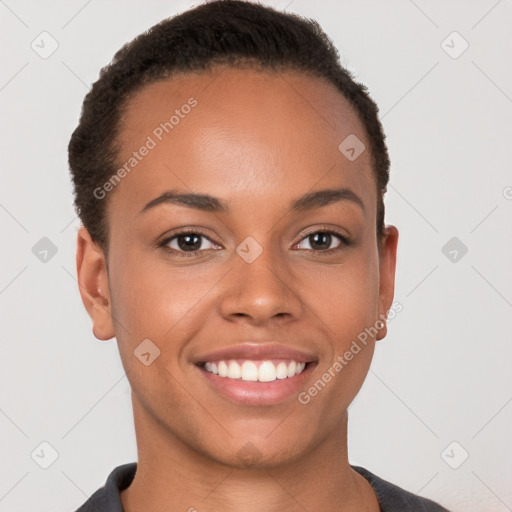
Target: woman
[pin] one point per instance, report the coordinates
(229, 175)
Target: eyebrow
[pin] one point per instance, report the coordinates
(207, 203)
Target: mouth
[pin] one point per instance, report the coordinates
(256, 374)
(260, 383)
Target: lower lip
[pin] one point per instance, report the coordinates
(258, 393)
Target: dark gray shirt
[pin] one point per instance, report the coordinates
(391, 497)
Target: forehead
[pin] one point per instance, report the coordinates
(237, 134)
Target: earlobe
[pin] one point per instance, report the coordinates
(387, 266)
(93, 284)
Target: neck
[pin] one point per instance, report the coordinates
(173, 476)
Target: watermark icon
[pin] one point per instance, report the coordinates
(44, 45)
(146, 352)
(304, 397)
(352, 147)
(454, 45)
(249, 453)
(454, 455)
(249, 249)
(507, 193)
(157, 135)
(44, 250)
(44, 455)
(454, 249)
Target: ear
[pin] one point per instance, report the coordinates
(93, 284)
(387, 265)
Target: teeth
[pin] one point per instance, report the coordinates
(249, 371)
(267, 371)
(234, 370)
(223, 369)
(282, 370)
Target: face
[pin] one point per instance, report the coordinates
(241, 228)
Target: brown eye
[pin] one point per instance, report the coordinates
(188, 244)
(323, 241)
(320, 240)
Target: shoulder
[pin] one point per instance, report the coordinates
(393, 498)
(107, 498)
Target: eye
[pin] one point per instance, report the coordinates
(323, 240)
(191, 243)
(188, 243)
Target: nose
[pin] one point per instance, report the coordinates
(261, 291)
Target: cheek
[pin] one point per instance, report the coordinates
(347, 299)
(152, 300)
(346, 296)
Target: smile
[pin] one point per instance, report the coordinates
(255, 371)
(256, 374)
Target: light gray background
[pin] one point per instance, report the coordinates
(442, 374)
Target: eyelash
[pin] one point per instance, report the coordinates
(345, 242)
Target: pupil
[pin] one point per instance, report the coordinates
(189, 242)
(320, 240)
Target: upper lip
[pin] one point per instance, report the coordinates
(256, 351)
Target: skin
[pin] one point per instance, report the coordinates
(258, 141)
